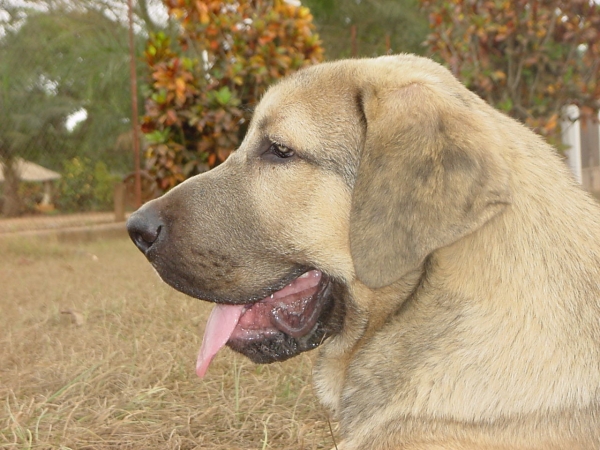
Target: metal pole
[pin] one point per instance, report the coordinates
(388, 44)
(134, 111)
(354, 46)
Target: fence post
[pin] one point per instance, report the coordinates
(571, 136)
(134, 109)
(119, 200)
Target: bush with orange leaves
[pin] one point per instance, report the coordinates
(226, 55)
(529, 58)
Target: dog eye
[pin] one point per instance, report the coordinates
(280, 151)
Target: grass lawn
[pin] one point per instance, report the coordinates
(97, 353)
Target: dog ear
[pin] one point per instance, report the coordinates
(426, 178)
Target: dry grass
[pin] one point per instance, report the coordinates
(97, 353)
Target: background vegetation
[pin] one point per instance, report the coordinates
(527, 58)
(225, 56)
(59, 58)
(204, 64)
(380, 27)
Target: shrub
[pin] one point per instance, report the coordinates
(85, 186)
(528, 58)
(225, 56)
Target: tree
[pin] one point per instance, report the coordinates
(528, 58)
(53, 64)
(224, 58)
(147, 14)
(30, 111)
(378, 23)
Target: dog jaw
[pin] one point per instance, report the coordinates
(287, 324)
(272, 329)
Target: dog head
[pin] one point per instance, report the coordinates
(351, 173)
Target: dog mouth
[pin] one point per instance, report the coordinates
(293, 311)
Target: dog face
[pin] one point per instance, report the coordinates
(268, 229)
(350, 172)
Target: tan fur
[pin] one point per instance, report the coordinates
(470, 257)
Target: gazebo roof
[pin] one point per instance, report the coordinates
(29, 171)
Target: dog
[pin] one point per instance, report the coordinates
(436, 251)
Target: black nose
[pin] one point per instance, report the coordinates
(144, 227)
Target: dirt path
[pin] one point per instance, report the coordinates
(29, 224)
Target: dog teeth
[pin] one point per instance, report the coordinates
(304, 275)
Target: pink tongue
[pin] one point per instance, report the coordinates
(220, 325)
(224, 318)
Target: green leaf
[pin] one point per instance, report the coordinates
(158, 136)
(223, 96)
(505, 105)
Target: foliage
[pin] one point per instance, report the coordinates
(225, 57)
(379, 23)
(59, 62)
(86, 186)
(31, 112)
(147, 14)
(528, 58)
(53, 64)
(32, 195)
